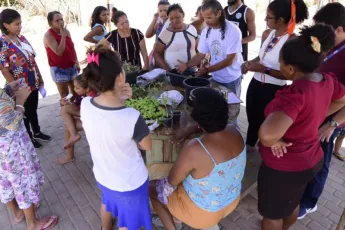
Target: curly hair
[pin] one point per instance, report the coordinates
(210, 110)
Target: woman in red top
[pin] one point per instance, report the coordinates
(290, 145)
(61, 54)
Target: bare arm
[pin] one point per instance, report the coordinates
(58, 49)
(150, 32)
(145, 144)
(223, 64)
(182, 167)
(143, 51)
(263, 38)
(95, 32)
(250, 16)
(158, 54)
(7, 74)
(196, 60)
(274, 128)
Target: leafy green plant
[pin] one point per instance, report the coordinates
(149, 108)
(138, 92)
(129, 68)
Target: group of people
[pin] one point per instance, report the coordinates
(296, 124)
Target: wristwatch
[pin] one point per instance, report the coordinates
(334, 123)
(267, 71)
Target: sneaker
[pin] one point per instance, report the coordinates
(42, 137)
(36, 144)
(305, 211)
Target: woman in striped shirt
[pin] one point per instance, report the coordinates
(128, 42)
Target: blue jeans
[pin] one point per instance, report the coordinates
(315, 187)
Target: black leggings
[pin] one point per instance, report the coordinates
(259, 95)
(31, 117)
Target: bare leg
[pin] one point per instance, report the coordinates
(290, 220)
(69, 157)
(17, 213)
(32, 222)
(62, 88)
(106, 218)
(67, 114)
(161, 210)
(268, 224)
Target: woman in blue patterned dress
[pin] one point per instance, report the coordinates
(20, 170)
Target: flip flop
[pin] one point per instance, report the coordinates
(339, 156)
(37, 206)
(51, 222)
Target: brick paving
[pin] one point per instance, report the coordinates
(71, 192)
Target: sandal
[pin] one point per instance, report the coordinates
(51, 222)
(339, 156)
(37, 206)
(157, 222)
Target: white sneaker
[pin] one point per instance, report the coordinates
(307, 211)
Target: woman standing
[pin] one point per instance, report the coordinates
(290, 146)
(177, 42)
(20, 172)
(268, 78)
(98, 31)
(127, 41)
(17, 58)
(159, 19)
(114, 141)
(61, 54)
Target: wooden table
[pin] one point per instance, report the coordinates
(165, 151)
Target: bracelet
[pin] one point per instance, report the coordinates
(22, 107)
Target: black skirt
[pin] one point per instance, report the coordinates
(280, 192)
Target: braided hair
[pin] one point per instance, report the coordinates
(216, 7)
(210, 110)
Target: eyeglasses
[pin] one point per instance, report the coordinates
(271, 44)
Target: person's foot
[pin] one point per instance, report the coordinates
(305, 211)
(339, 156)
(42, 137)
(64, 160)
(74, 138)
(19, 217)
(44, 223)
(36, 144)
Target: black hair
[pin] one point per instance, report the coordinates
(51, 15)
(216, 7)
(163, 3)
(332, 14)
(174, 7)
(95, 15)
(282, 9)
(102, 77)
(7, 16)
(210, 110)
(81, 81)
(198, 10)
(299, 52)
(116, 15)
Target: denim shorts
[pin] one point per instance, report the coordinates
(63, 75)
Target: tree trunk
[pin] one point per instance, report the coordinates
(341, 225)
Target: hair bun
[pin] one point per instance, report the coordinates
(114, 10)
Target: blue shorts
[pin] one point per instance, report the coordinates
(63, 75)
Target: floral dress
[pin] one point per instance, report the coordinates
(20, 171)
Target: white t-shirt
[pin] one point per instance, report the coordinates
(219, 49)
(113, 134)
(178, 45)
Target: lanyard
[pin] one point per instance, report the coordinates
(334, 53)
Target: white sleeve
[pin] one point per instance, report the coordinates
(203, 47)
(235, 41)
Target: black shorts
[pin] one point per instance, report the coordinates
(280, 192)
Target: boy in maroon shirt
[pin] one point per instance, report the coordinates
(332, 14)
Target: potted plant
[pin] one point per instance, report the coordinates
(132, 72)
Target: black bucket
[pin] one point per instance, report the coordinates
(193, 83)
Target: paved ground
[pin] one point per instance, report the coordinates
(71, 193)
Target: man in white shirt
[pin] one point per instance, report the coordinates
(223, 41)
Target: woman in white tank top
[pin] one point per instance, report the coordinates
(267, 78)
